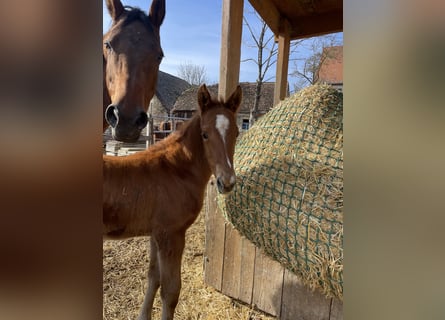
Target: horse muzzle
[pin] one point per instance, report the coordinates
(126, 129)
(225, 186)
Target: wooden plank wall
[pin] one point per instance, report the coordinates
(235, 267)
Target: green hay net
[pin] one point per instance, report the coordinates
(288, 199)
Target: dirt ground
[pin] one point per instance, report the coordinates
(125, 266)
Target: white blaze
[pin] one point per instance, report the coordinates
(222, 124)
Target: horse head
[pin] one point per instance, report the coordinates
(132, 54)
(219, 130)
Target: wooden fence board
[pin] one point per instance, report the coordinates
(268, 284)
(300, 303)
(336, 310)
(215, 235)
(248, 253)
(232, 263)
(238, 267)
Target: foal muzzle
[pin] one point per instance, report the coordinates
(225, 187)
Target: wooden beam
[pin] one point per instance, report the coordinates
(232, 24)
(317, 25)
(282, 63)
(269, 12)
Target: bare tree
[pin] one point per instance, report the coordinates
(264, 43)
(266, 52)
(306, 70)
(192, 73)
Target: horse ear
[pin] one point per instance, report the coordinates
(157, 12)
(204, 98)
(234, 101)
(115, 8)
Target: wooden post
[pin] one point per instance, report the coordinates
(232, 18)
(282, 62)
(232, 24)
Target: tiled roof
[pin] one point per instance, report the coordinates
(187, 101)
(169, 88)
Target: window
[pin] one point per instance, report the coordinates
(245, 125)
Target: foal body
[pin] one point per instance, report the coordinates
(159, 192)
(141, 184)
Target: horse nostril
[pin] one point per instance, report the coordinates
(112, 115)
(141, 121)
(220, 185)
(224, 188)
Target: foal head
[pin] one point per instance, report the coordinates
(219, 131)
(131, 55)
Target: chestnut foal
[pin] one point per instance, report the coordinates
(159, 192)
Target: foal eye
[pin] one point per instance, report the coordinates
(205, 136)
(108, 45)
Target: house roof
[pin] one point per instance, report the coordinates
(331, 68)
(305, 18)
(169, 88)
(187, 101)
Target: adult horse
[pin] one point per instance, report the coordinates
(159, 192)
(131, 56)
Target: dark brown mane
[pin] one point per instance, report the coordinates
(190, 127)
(134, 14)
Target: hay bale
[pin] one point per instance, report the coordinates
(288, 199)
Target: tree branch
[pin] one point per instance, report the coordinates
(251, 31)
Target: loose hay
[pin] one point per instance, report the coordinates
(288, 199)
(125, 265)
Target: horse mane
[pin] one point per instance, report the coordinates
(136, 14)
(177, 136)
(184, 129)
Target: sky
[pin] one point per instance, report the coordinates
(191, 32)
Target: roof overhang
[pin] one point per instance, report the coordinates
(302, 18)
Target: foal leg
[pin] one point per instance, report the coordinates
(154, 282)
(170, 255)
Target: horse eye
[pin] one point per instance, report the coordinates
(205, 136)
(108, 45)
(160, 57)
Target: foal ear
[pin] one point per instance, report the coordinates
(115, 8)
(157, 12)
(234, 101)
(204, 99)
